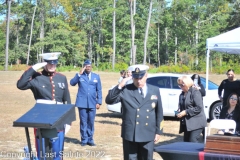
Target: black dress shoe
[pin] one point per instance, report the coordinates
(83, 144)
(91, 144)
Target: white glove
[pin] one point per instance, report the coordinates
(39, 65)
(67, 128)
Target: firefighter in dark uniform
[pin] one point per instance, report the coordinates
(48, 87)
(142, 118)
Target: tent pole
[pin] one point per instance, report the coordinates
(207, 70)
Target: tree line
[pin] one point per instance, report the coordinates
(117, 33)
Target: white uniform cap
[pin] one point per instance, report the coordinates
(51, 58)
(138, 70)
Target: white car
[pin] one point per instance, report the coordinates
(170, 91)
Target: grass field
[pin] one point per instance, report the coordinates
(14, 103)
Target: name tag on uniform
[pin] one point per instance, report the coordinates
(95, 80)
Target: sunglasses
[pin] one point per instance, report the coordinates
(232, 98)
(181, 85)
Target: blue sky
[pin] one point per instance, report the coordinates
(170, 1)
(2, 17)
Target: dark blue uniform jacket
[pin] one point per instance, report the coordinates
(45, 85)
(142, 118)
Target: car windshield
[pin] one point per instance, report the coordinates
(211, 85)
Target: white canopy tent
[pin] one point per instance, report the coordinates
(228, 42)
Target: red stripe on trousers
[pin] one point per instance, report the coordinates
(201, 155)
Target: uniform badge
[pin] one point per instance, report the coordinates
(95, 80)
(153, 105)
(61, 85)
(137, 70)
(153, 97)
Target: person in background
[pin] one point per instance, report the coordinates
(142, 116)
(129, 74)
(231, 111)
(89, 98)
(198, 85)
(48, 87)
(122, 75)
(191, 115)
(229, 85)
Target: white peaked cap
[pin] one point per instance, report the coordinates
(140, 66)
(50, 56)
(138, 70)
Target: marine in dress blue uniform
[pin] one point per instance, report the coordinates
(142, 114)
(50, 87)
(89, 98)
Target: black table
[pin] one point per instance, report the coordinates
(191, 151)
(48, 119)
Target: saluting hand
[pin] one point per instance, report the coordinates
(39, 65)
(124, 81)
(82, 70)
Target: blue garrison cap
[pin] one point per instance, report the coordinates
(87, 62)
(138, 70)
(50, 58)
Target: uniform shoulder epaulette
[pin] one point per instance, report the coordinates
(96, 74)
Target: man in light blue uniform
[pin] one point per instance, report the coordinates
(89, 98)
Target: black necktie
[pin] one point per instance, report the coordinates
(141, 92)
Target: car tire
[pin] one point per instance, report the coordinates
(215, 110)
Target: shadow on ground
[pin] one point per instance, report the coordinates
(110, 115)
(170, 119)
(109, 122)
(71, 140)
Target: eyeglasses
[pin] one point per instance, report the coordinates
(232, 98)
(181, 85)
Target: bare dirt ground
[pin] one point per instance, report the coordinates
(15, 103)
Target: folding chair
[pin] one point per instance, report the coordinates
(220, 124)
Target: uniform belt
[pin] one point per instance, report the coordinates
(45, 101)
